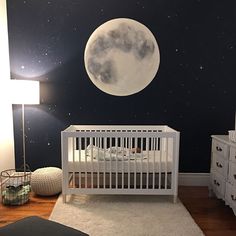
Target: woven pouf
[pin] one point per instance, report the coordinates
(46, 181)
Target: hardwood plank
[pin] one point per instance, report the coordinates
(37, 206)
(211, 214)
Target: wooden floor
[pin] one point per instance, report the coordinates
(211, 214)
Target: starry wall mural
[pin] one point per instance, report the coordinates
(193, 91)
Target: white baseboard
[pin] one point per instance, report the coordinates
(194, 179)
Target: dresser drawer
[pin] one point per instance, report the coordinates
(218, 184)
(232, 154)
(220, 164)
(232, 173)
(230, 195)
(220, 148)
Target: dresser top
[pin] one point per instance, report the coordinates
(224, 139)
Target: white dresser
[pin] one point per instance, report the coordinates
(223, 169)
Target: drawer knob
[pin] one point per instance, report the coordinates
(218, 164)
(233, 197)
(234, 176)
(219, 149)
(216, 183)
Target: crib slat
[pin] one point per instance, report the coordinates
(104, 170)
(141, 168)
(91, 144)
(122, 147)
(132, 145)
(160, 163)
(129, 146)
(166, 162)
(135, 163)
(153, 163)
(73, 148)
(85, 171)
(170, 159)
(80, 177)
(98, 161)
(110, 164)
(116, 146)
(70, 148)
(147, 149)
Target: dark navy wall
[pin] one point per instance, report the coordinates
(194, 90)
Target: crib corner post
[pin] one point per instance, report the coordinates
(64, 198)
(175, 199)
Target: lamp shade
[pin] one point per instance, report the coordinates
(24, 91)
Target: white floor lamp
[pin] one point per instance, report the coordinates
(24, 92)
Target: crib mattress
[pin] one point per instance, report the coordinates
(153, 161)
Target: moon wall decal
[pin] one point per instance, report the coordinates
(121, 57)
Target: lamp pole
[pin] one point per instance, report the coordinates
(23, 135)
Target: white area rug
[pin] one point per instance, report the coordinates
(125, 215)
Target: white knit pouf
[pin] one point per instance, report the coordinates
(46, 181)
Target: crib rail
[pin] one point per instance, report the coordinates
(120, 160)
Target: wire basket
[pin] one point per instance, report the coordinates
(15, 186)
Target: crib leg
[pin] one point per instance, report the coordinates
(175, 198)
(64, 198)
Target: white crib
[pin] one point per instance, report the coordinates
(120, 160)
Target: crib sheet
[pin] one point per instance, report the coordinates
(145, 162)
